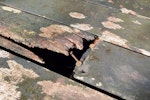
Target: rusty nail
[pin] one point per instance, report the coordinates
(78, 62)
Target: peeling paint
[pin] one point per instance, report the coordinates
(131, 12)
(117, 40)
(11, 9)
(111, 25)
(127, 11)
(84, 27)
(114, 19)
(136, 22)
(112, 38)
(9, 91)
(16, 73)
(4, 54)
(69, 92)
(77, 15)
(53, 29)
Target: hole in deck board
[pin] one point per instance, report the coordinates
(56, 62)
(60, 63)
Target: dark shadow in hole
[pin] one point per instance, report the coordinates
(56, 62)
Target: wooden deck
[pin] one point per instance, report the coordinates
(47, 32)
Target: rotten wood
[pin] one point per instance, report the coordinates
(55, 37)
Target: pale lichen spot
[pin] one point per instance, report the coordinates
(114, 19)
(111, 25)
(77, 15)
(99, 84)
(84, 27)
(11, 9)
(4, 54)
(136, 22)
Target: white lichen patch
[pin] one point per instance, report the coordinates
(147, 53)
(99, 84)
(9, 92)
(112, 38)
(17, 73)
(136, 22)
(79, 78)
(77, 15)
(111, 25)
(131, 12)
(11, 9)
(4, 54)
(70, 92)
(93, 79)
(110, 1)
(84, 27)
(114, 19)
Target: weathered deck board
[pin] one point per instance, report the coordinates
(34, 31)
(134, 28)
(117, 70)
(22, 80)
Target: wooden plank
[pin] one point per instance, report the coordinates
(125, 24)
